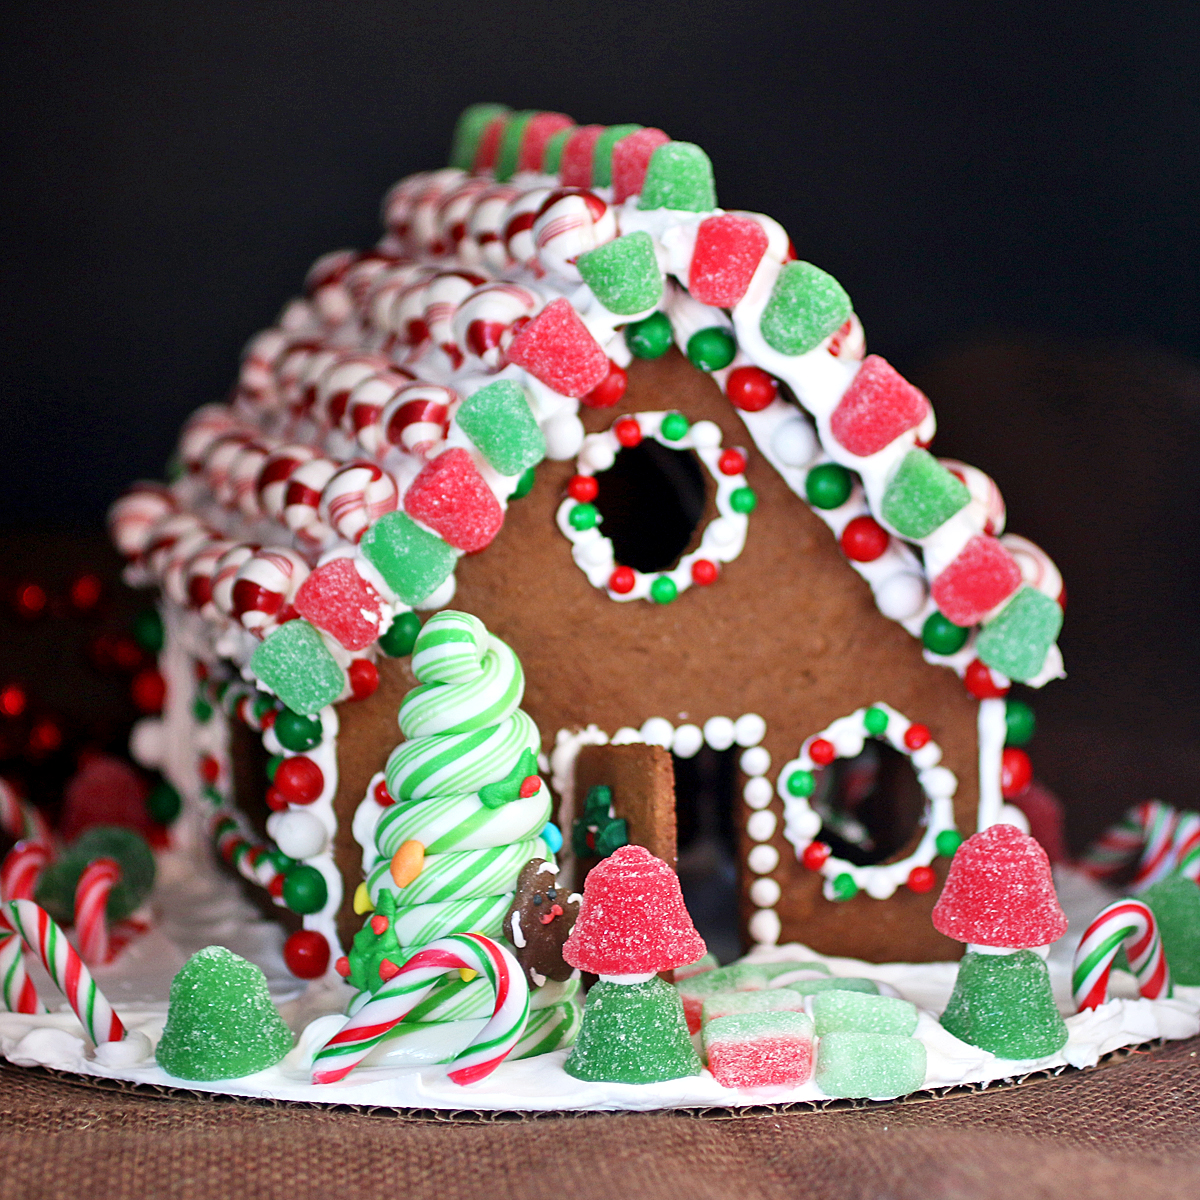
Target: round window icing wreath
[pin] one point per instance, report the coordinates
(723, 537)
(845, 739)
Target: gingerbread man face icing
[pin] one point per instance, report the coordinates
(539, 921)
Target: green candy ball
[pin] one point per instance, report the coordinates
(584, 516)
(743, 500)
(801, 783)
(524, 484)
(201, 709)
(401, 635)
(1019, 723)
(828, 486)
(711, 349)
(948, 842)
(663, 590)
(875, 721)
(941, 636)
(148, 630)
(296, 732)
(650, 337)
(674, 426)
(163, 804)
(304, 890)
(273, 766)
(844, 887)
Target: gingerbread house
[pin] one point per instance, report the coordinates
(639, 437)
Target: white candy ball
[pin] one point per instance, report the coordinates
(564, 436)
(756, 760)
(687, 742)
(719, 732)
(749, 729)
(148, 743)
(761, 825)
(765, 927)
(658, 731)
(758, 792)
(297, 834)
(901, 596)
(794, 442)
(762, 860)
(765, 893)
(706, 434)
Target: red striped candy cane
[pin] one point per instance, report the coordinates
(91, 900)
(17, 993)
(401, 994)
(21, 868)
(1158, 821)
(1129, 923)
(21, 821)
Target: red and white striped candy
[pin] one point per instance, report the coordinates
(325, 286)
(484, 244)
(265, 586)
(338, 380)
(571, 222)
(200, 430)
(1037, 568)
(361, 277)
(1127, 923)
(22, 868)
(519, 217)
(849, 343)
(389, 286)
(412, 983)
(256, 377)
(198, 575)
(273, 477)
(398, 202)
(302, 499)
(17, 993)
(1187, 846)
(165, 536)
(95, 885)
(297, 319)
(986, 501)
(290, 372)
(225, 572)
(366, 403)
(452, 213)
(417, 418)
(356, 497)
(174, 576)
(443, 294)
(218, 461)
(243, 476)
(483, 324)
(423, 212)
(20, 820)
(319, 361)
(44, 938)
(133, 515)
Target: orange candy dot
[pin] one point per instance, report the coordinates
(407, 863)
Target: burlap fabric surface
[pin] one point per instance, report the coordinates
(1129, 1130)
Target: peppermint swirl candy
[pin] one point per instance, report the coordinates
(420, 924)
(464, 875)
(456, 823)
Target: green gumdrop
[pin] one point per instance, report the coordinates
(1018, 638)
(874, 1066)
(624, 274)
(922, 496)
(498, 419)
(838, 1010)
(298, 667)
(1019, 722)
(679, 177)
(164, 803)
(633, 1033)
(221, 1023)
(56, 888)
(510, 144)
(552, 156)
(806, 306)
(712, 348)
(1002, 1003)
(369, 948)
(602, 154)
(845, 983)
(412, 561)
(733, 1004)
(469, 129)
(148, 630)
(1175, 903)
(401, 635)
(651, 337)
(297, 732)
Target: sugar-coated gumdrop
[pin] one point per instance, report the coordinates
(1003, 1003)
(337, 599)
(839, 983)
(498, 419)
(922, 496)
(624, 274)
(487, 150)
(999, 892)
(836, 1011)
(510, 144)
(1175, 903)
(469, 129)
(557, 348)
(575, 166)
(632, 918)
(451, 497)
(297, 666)
(541, 128)
(632, 1033)
(630, 159)
(807, 305)
(737, 977)
(735, 1004)
(877, 407)
(705, 963)
(602, 153)
(1016, 640)
(875, 1066)
(982, 575)
(760, 1049)
(679, 177)
(552, 156)
(727, 253)
(412, 561)
(106, 790)
(57, 883)
(221, 1023)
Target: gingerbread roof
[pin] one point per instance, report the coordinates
(389, 416)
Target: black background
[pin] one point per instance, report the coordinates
(1007, 191)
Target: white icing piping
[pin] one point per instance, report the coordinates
(993, 730)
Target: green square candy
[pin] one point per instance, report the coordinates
(679, 177)
(510, 144)
(602, 154)
(874, 1066)
(841, 983)
(412, 561)
(624, 274)
(733, 1004)
(806, 306)
(469, 129)
(1016, 640)
(297, 666)
(497, 418)
(922, 496)
(838, 1011)
(552, 158)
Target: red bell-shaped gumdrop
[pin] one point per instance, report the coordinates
(728, 251)
(104, 791)
(1000, 893)
(557, 348)
(632, 919)
(630, 158)
(450, 496)
(877, 407)
(337, 599)
(982, 575)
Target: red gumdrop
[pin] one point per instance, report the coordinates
(632, 918)
(864, 539)
(814, 856)
(921, 880)
(981, 682)
(751, 389)
(299, 780)
(609, 390)
(704, 572)
(630, 158)
(149, 690)
(1016, 772)
(622, 580)
(336, 598)
(105, 790)
(558, 349)
(728, 251)
(575, 166)
(981, 576)
(822, 752)
(383, 797)
(541, 128)
(731, 462)
(877, 407)
(783, 1059)
(306, 953)
(583, 488)
(450, 496)
(916, 736)
(1000, 893)
(364, 678)
(628, 432)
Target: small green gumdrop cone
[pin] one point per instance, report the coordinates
(221, 1023)
(1175, 903)
(633, 1033)
(1002, 1003)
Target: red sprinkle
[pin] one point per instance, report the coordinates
(529, 786)
(1016, 772)
(980, 683)
(864, 539)
(382, 795)
(276, 801)
(750, 389)
(342, 966)
(379, 924)
(306, 953)
(364, 678)
(210, 769)
(814, 856)
(299, 780)
(921, 880)
(609, 390)
(622, 580)
(388, 970)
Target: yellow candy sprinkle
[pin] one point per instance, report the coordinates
(362, 900)
(466, 974)
(407, 863)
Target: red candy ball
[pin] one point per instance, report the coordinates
(921, 880)
(364, 678)
(915, 736)
(731, 462)
(814, 856)
(628, 432)
(45, 737)
(750, 389)
(299, 780)
(29, 599)
(980, 683)
(149, 690)
(583, 488)
(210, 769)
(609, 390)
(382, 795)
(1016, 772)
(276, 800)
(306, 953)
(822, 752)
(864, 539)
(704, 572)
(622, 580)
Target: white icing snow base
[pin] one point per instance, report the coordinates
(196, 908)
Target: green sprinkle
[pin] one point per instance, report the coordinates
(828, 486)
(305, 890)
(584, 516)
(201, 709)
(1019, 723)
(801, 783)
(844, 887)
(948, 842)
(401, 636)
(941, 636)
(524, 484)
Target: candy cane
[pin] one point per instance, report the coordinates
(21, 868)
(1158, 822)
(415, 980)
(1159, 837)
(91, 900)
(44, 938)
(17, 993)
(1127, 922)
(21, 821)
